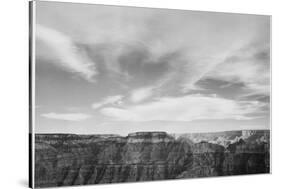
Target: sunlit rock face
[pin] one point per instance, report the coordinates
(66, 159)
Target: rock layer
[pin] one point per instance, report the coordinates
(68, 159)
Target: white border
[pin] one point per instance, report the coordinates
(14, 94)
(33, 59)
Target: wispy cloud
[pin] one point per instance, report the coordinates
(110, 100)
(141, 94)
(66, 116)
(250, 66)
(200, 44)
(66, 53)
(187, 108)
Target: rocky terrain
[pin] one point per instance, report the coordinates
(69, 159)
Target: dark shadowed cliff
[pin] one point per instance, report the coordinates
(68, 159)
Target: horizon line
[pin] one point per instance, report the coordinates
(41, 133)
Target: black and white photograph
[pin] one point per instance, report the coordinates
(129, 94)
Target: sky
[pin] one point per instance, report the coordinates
(116, 70)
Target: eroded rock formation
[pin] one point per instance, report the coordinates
(68, 159)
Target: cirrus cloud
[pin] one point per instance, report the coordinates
(141, 94)
(66, 116)
(67, 54)
(186, 108)
(117, 99)
(250, 66)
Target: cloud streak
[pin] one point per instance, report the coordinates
(67, 55)
(186, 108)
(250, 66)
(110, 100)
(66, 116)
(141, 94)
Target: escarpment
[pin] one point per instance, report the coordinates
(69, 159)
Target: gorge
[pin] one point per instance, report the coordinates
(71, 159)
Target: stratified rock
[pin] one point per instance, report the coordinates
(69, 159)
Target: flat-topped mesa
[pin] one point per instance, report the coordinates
(108, 138)
(54, 139)
(149, 137)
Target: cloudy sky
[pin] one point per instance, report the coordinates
(107, 69)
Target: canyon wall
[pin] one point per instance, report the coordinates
(68, 159)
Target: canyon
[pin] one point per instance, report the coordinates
(72, 159)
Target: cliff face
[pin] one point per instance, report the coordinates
(63, 159)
